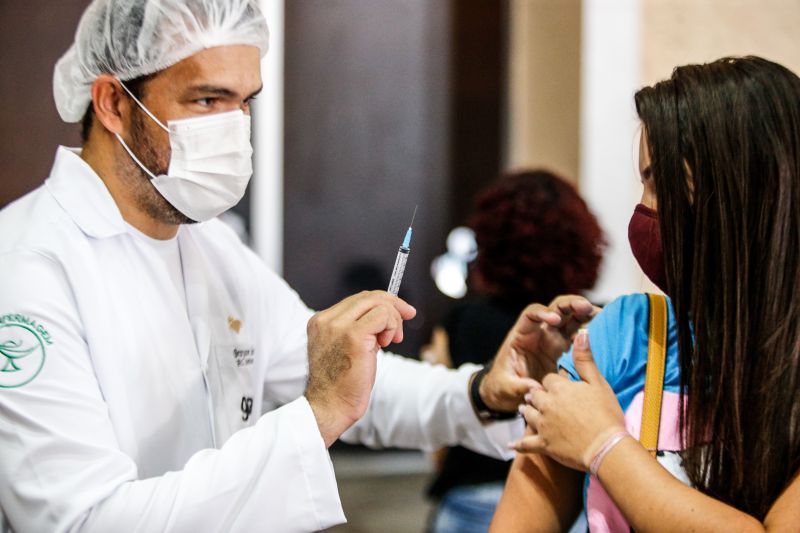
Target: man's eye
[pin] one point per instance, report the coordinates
(205, 102)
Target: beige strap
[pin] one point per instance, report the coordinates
(654, 377)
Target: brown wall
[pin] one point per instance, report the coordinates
(35, 33)
(544, 64)
(676, 32)
(478, 35)
(389, 104)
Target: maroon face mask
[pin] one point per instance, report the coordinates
(644, 236)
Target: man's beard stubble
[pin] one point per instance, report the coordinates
(145, 195)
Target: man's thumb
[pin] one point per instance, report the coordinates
(582, 358)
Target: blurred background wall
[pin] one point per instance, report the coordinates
(675, 32)
(543, 86)
(375, 106)
(33, 35)
(389, 104)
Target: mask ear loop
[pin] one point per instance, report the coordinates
(149, 114)
(133, 156)
(143, 108)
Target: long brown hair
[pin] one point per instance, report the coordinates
(724, 141)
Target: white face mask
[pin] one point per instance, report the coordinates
(210, 165)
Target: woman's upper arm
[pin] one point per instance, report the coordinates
(540, 495)
(785, 512)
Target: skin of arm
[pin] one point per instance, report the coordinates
(540, 495)
(571, 420)
(651, 499)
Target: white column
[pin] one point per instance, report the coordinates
(266, 208)
(609, 134)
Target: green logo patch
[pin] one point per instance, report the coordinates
(22, 349)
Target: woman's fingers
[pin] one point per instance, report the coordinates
(583, 359)
(528, 444)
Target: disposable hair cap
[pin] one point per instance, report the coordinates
(133, 38)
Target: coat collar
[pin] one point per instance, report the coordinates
(82, 194)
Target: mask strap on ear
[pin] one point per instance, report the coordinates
(141, 105)
(133, 156)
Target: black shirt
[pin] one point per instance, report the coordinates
(475, 331)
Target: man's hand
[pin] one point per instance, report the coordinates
(531, 349)
(342, 343)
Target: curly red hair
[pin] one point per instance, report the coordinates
(536, 238)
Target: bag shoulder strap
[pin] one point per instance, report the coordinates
(654, 376)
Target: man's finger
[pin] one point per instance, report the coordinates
(398, 334)
(380, 319)
(533, 316)
(570, 303)
(356, 306)
(573, 324)
(574, 307)
(536, 386)
(517, 386)
(583, 360)
(385, 338)
(583, 308)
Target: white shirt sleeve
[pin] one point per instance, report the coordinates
(418, 405)
(61, 468)
(413, 404)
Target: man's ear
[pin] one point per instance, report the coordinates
(111, 108)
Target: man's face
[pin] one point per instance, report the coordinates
(213, 81)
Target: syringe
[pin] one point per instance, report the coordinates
(400, 261)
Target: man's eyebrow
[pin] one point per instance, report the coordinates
(219, 91)
(212, 89)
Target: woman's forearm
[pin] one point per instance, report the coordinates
(651, 499)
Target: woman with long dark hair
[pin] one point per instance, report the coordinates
(720, 164)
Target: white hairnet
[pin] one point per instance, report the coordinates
(132, 38)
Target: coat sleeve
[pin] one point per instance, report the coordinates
(61, 468)
(413, 404)
(418, 405)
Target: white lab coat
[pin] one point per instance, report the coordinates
(139, 416)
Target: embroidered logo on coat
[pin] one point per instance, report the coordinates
(22, 349)
(234, 324)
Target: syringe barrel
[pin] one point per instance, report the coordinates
(397, 271)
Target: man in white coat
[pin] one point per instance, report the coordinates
(141, 344)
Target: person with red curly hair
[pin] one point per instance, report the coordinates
(536, 239)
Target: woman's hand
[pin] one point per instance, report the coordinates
(571, 420)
